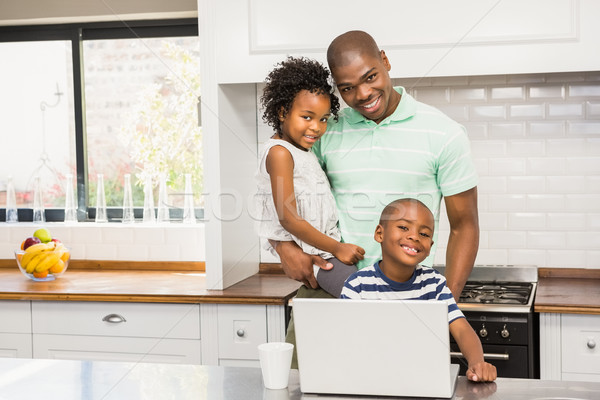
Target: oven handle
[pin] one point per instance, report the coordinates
(486, 356)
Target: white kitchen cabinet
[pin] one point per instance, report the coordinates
(146, 332)
(426, 38)
(15, 329)
(569, 347)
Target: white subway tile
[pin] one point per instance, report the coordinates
(592, 184)
(547, 92)
(491, 185)
(490, 221)
(527, 257)
(583, 240)
(529, 111)
(567, 221)
(507, 202)
(492, 257)
(87, 233)
(545, 202)
(582, 202)
(18, 232)
(566, 147)
(100, 251)
(527, 148)
(566, 258)
(5, 233)
(412, 83)
(457, 112)
(583, 128)
(476, 131)
(487, 80)
(592, 109)
(565, 110)
(592, 146)
(546, 240)
(507, 239)
(591, 90)
(168, 252)
(184, 234)
(507, 166)
(489, 148)
(592, 259)
(442, 237)
(565, 184)
(482, 201)
(561, 77)
(440, 257)
(525, 184)
(487, 113)
(525, 78)
(482, 166)
(484, 239)
(547, 129)
(136, 252)
(526, 220)
(593, 222)
(78, 252)
(508, 93)
(431, 95)
(545, 166)
(584, 165)
(499, 130)
(151, 234)
(450, 81)
(117, 234)
(468, 94)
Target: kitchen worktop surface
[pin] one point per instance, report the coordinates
(571, 291)
(145, 286)
(69, 380)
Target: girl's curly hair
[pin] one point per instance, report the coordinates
(287, 79)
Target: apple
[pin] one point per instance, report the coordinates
(43, 234)
(57, 241)
(30, 241)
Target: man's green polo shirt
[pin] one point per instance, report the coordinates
(416, 152)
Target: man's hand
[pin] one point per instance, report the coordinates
(481, 372)
(349, 253)
(297, 264)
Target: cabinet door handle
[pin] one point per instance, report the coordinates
(591, 344)
(241, 332)
(114, 318)
(487, 356)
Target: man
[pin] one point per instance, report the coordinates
(388, 146)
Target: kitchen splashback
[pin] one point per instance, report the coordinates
(535, 140)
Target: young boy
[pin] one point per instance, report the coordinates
(405, 233)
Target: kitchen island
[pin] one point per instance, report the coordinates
(88, 380)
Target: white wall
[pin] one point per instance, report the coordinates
(535, 140)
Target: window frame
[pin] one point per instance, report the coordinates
(76, 34)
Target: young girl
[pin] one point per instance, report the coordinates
(295, 200)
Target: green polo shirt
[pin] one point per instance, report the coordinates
(416, 152)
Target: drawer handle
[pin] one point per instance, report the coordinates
(241, 332)
(591, 344)
(487, 356)
(114, 318)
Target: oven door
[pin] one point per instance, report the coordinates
(510, 361)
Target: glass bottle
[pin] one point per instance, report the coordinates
(148, 202)
(70, 207)
(100, 200)
(163, 208)
(189, 216)
(128, 216)
(11, 202)
(39, 214)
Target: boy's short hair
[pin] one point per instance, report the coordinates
(396, 205)
(289, 78)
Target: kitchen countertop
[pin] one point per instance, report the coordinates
(145, 286)
(65, 380)
(568, 290)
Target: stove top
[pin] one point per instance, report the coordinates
(496, 293)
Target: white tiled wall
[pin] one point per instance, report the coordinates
(535, 141)
(136, 242)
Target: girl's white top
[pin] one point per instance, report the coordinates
(314, 201)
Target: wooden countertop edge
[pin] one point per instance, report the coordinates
(569, 273)
(112, 265)
(558, 309)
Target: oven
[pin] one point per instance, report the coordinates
(497, 301)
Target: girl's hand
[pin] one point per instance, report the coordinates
(481, 372)
(349, 253)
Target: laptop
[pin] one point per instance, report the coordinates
(374, 347)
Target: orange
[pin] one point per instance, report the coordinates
(19, 256)
(41, 274)
(58, 267)
(23, 245)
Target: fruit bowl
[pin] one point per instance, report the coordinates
(43, 261)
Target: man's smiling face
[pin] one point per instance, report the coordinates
(365, 85)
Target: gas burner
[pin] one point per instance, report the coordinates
(496, 293)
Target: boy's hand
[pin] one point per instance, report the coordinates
(349, 253)
(481, 372)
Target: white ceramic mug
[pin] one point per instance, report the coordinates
(275, 361)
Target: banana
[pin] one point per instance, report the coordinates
(49, 260)
(31, 254)
(39, 246)
(33, 263)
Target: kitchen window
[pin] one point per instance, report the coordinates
(102, 98)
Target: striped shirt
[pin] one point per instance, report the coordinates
(425, 284)
(416, 152)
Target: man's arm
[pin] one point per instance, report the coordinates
(297, 264)
(464, 238)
